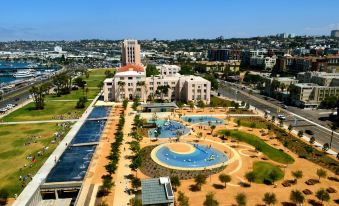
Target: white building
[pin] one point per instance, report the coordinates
(130, 81)
(58, 49)
(168, 70)
(130, 52)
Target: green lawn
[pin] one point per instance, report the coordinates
(14, 152)
(262, 171)
(75, 95)
(271, 152)
(218, 102)
(245, 122)
(52, 110)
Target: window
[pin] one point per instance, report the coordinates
(122, 78)
(193, 85)
(130, 78)
(151, 83)
(109, 83)
(151, 88)
(192, 97)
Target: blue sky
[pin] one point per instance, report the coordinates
(163, 19)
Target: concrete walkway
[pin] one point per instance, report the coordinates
(121, 198)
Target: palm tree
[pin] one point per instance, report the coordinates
(200, 179)
(191, 104)
(321, 173)
(199, 136)
(269, 198)
(241, 199)
(290, 128)
(210, 200)
(297, 174)
(224, 178)
(323, 195)
(212, 128)
(297, 197)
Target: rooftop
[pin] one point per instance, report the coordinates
(156, 191)
(131, 67)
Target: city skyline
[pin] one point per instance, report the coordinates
(62, 20)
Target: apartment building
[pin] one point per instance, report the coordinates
(168, 70)
(130, 81)
(130, 52)
(319, 78)
(310, 95)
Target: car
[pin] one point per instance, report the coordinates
(281, 116)
(267, 111)
(310, 132)
(284, 106)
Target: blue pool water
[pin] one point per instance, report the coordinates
(203, 120)
(72, 165)
(202, 157)
(99, 112)
(90, 131)
(168, 129)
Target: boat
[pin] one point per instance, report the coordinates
(24, 73)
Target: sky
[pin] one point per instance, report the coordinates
(163, 19)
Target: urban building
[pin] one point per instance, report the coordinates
(218, 54)
(157, 192)
(310, 95)
(335, 33)
(319, 78)
(130, 51)
(230, 65)
(130, 81)
(58, 49)
(168, 70)
(266, 63)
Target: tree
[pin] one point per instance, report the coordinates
(213, 80)
(81, 103)
(290, 128)
(210, 200)
(212, 128)
(253, 125)
(250, 176)
(186, 70)
(322, 195)
(200, 179)
(201, 104)
(107, 184)
(274, 176)
(199, 136)
(182, 199)
(241, 199)
(269, 198)
(300, 133)
(191, 105)
(151, 70)
(38, 92)
(297, 197)
(136, 182)
(321, 173)
(109, 74)
(180, 105)
(326, 147)
(297, 174)
(224, 178)
(175, 181)
(312, 140)
(100, 85)
(238, 122)
(79, 82)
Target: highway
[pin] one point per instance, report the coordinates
(298, 121)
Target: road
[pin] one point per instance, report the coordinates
(321, 134)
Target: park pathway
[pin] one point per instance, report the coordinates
(121, 198)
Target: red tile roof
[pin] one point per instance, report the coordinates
(131, 67)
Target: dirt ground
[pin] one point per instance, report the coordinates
(242, 157)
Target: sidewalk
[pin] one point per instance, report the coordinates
(121, 198)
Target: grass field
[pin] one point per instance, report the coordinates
(271, 152)
(218, 102)
(51, 111)
(262, 171)
(248, 123)
(14, 152)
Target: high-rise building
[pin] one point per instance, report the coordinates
(335, 33)
(130, 52)
(218, 54)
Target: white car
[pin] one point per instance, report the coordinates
(267, 111)
(281, 116)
